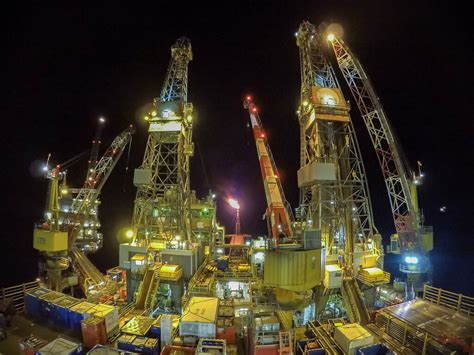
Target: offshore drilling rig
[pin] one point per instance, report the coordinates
(315, 284)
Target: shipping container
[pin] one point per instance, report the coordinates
(124, 342)
(229, 334)
(145, 345)
(104, 350)
(30, 345)
(222, 262)
(376, 349)
(199, 318)
(211, 346)
(47, 305)
(316, 352)
(61, 310)
(138, 325)
(351, 337)
(155, 329)
(61, 346)
(110, 314)
(333, 277)
(266, 350)
(93, 331)
(139, 344)
(33, 300)
(77, 313)
(177, 350)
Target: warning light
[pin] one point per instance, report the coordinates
(331, 37)
(254, 109)
(248, 98)
(262, 135)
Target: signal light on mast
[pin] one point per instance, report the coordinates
(254, 109)
(248, 98)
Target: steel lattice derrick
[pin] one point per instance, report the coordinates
(162, 204)
(340, 208)
(394, 172)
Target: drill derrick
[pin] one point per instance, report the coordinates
(162, 203)
(333, 186)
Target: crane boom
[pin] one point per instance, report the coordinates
(279, 214)
(395, 175)
(87, 196)
(413, 239)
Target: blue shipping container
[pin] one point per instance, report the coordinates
(300, 345)
(61, 314)
(316, 352)
(78, 313)
(124, 342)
(376, 349)
(33, 301)
(145, 345)
(47, 305)
(222, 263)
(155, 331)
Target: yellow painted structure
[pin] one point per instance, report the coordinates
(294, 270)
(45, 240)
(373, 276)
(328, 104)
(170, 272)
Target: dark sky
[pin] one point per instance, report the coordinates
(65, 66)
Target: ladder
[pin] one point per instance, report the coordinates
(286, 343)
(151, 295)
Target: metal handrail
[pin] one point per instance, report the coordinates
(457, 301)
(17, 294)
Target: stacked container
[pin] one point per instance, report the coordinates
(48, 304)
(77, 313)
(93, 331)
(62, 309)
(61, 346)
(139, 344)
(124, 342)
(110, 315)
(33, 301)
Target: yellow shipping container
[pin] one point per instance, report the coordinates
(110, 314)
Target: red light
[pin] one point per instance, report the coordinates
(254, 109)
(262, 135)
(248, 98)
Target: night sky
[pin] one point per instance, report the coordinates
(64, 67)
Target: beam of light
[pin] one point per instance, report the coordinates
(233, 203)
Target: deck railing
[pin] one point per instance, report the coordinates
(460, 303)
(17, 294)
